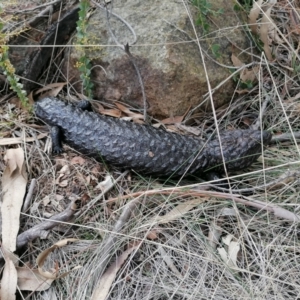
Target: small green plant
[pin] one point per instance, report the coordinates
(205, 8)
(8, 68)
(243, 5)
(215, 48)
(84, 63)
(248, 84)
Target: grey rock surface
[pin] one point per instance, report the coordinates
(166, 53)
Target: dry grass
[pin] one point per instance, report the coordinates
(179, 258)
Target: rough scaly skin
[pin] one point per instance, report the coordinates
(148, 150)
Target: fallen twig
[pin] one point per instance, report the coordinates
(257, 124)
(286, 136)
(270, 207)
(122, 20)
(282, 180)
(111, 240)
(35, 7)
(131, 58)
(29, 195)
(38, 230)
(125, 48)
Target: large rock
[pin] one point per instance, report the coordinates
(166, 54)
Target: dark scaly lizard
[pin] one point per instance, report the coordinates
(146, 149)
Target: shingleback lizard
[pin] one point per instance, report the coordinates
(146, 149)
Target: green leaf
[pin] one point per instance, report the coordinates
(237, 7)
(215, 48)
(206, 28)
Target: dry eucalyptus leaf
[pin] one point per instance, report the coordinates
(223, 254)
(88, 179)
(14, 159)
(177, 212)
(229, 255)
(227, 239)
(273, 34)
(95, 170)
(214, 235)
(9, 281)
(169, 261)
(19, 140)
(138, 120)
(111, 112)
(107, 183)
(103, 286)
(65, 170)
(157, 125)
(127, 111)
(233, 249)
(250, 75)
(172, 120)
(295, 22)
(226, 211)
(63, 183)
(253, 15)
(194, 130)
(59, 197)
(46, 200)
(31, 280)
(247, 121)
(14, 182)
(43, 256)
(77, 160)
(236, 62)
(12, 256)
(52, 88)
(241, 92)
(280, 212)
(152, 235)
(123, 108)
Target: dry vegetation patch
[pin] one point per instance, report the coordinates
(89, 231)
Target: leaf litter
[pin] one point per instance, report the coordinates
(14, 180)
(184, 233)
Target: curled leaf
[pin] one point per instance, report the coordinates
(43, 256)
